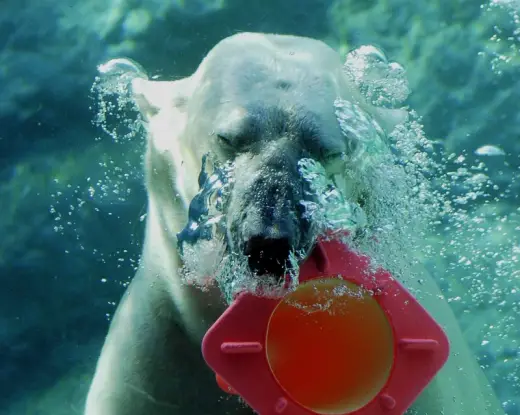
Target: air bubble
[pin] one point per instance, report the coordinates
(382, 83)
(489, 150)
(121, 71)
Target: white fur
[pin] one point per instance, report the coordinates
(151, 363)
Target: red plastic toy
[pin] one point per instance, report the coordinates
(346, 341)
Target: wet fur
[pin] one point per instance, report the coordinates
(151, 362)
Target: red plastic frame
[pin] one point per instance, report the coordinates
(234, 346)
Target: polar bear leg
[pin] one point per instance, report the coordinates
(149, 365)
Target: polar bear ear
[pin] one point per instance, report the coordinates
(152, 96)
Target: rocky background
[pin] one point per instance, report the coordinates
(71, 233)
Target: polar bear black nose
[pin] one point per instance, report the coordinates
(268, 255)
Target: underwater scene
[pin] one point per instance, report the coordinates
(117, 161)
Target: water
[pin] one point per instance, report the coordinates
(113, 180)
(455, 210)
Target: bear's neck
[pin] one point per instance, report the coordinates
(197, 309)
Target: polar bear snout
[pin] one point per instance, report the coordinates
(268, 221)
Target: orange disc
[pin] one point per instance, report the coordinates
(330, 346)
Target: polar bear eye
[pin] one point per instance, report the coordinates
(225, 141)
(333, 156)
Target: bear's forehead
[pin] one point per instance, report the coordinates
(266, 86)
(251, 71)
(302, 50)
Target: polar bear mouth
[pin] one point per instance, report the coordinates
(268, 255)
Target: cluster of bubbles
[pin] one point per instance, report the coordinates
(202, 242)
(112, 90)
(414, 189)
(426, 207)
(329, 208)
(113, 176)
(504, 43)
(384, 197)
(383, 83)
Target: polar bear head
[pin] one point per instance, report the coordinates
(263, 102)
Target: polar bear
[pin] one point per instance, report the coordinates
(263, 101)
